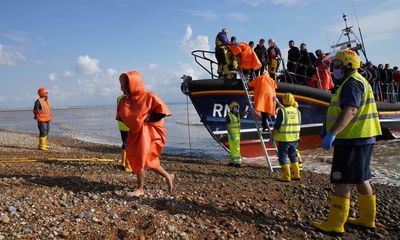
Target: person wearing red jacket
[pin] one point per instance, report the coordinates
(43, 116)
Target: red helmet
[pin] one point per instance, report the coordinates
(42, 92)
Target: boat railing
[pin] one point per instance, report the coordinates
(204, 55)
(382, 91)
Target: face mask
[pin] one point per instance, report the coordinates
(338, 74)
(234, 110)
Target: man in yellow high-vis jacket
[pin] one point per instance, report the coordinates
(287, 133)
(352, 122)
(233, 129)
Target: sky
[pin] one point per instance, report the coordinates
(78, 49)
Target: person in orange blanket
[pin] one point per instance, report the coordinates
(248, 60)
(143, 112)
(264, 93)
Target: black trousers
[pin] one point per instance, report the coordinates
(124, 137)
(44, 129)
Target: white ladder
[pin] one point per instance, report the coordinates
(257, 124)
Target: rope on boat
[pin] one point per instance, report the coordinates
(188, 124)
(29, 160)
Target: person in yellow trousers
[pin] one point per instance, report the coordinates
(351, 124)
(287, 133)
(233, 127)
(43, 116)
(124, 130)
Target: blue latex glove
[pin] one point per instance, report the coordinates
(276, 99)
(328, 140)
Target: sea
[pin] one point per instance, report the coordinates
(97, 124)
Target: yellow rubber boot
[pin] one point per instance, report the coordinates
(45, 143)
(300, 159)
(338, 212)
(125, 162)
(285, 173)
(42, 144)
(366, 211)
(296, 171)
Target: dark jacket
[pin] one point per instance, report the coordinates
(262, 54)
(293, 54)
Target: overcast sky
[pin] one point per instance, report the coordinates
(77, 49)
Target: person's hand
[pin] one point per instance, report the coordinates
(147, 118)
(328, 140)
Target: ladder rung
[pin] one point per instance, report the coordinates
(271, 149)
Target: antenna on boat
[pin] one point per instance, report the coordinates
(359, 31)
(347, 30)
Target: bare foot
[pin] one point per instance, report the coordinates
(136, 193)
(170, 180)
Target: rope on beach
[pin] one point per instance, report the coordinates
(28, 160)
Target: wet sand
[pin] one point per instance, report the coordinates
(88, 200)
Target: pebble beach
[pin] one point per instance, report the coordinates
(53, 195)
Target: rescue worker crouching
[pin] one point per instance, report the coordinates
(233, 129)
(43, 116)
(351, 125)
(287, 133)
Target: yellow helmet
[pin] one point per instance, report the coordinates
(349, 58)
(288, 99)
(232, 104)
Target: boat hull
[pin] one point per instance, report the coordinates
(211, 99)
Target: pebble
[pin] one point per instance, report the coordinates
(379, 236)
(4, 219)
(64, 234)
(184, 236)
(171, 228)
(12, 210)
(27, 230)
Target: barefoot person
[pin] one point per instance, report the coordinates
(42, 112)
(143, 114)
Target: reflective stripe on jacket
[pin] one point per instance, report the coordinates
(366, 121)
(289, 130)
(44, 114)
(234, 125)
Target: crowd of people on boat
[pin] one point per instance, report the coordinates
(301, 66)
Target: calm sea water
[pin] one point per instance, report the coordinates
(97, 124)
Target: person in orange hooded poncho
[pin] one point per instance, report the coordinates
(143, 113)
(264, 93)
(248, 58)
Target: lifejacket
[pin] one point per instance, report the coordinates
(44, 114)
(366, 121)
(218, 42)
(121, 125)
(234, 125)
(289, 130)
